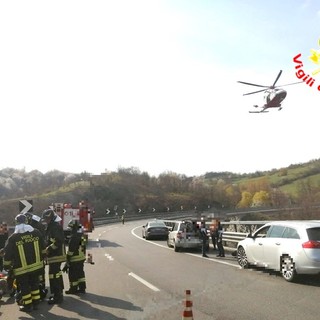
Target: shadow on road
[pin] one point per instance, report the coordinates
(309, 280)
(88, 306)
(110, 302)
(102, 244)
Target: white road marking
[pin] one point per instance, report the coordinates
(109, 256)
(218, 260)
(146, 283)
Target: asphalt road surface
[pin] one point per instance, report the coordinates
(136, 279)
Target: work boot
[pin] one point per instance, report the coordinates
(71, 291)
(82, 287)
(55, 299)
(26, 308)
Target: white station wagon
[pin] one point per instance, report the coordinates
(291, 247)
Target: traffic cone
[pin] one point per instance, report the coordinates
(187, 312)
(89, 259)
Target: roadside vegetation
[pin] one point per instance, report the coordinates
(295, 186)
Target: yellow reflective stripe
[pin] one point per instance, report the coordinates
(31, 267)
(22, 256)
(37, 250)
(27, 296)
(77, 258)
(27, 299)
(56, 259)
(56, 275)
(35, 294)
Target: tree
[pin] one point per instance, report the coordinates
(246, 200)
(261, 199)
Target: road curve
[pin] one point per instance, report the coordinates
(135, 279)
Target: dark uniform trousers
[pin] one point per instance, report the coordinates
(76, 276)
(29, 288)
(55, 279)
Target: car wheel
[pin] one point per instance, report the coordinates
(288, 270)
(242, 258)
(176, 249)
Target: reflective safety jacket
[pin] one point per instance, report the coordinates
(24, 252)
(76, 249)
(55, 246)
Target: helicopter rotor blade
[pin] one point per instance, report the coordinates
(276, 79)
(246, 94)
(252, 84)
(289, 84)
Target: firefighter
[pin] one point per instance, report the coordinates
(24, 257)
(35, 221)
(3, 238)
(75, 259)
(55, 254)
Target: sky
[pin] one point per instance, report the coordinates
(94, 86)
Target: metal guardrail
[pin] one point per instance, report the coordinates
(230, 238)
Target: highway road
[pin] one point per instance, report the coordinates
(136, 279)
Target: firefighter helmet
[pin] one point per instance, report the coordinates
(20, 218)
(29, 216)
(48, 215)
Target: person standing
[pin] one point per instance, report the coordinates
(3, 239)
(35, 221)
(56, 254)
(204, 236)
(23, 255)
(213, 234)
(75, 260)
(219, 240)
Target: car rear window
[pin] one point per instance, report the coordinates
(314, 234)
(157, 224)
(290, 233)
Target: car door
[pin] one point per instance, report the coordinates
(172, 234)
(272, 247)
(256, 247)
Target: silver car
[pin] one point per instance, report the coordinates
(155, 229)
(291, 247)
(184, 235)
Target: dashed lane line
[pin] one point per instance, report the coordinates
(146, 283)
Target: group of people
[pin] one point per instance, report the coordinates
(35, 243)
(216, 232)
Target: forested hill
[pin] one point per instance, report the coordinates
(135, 191)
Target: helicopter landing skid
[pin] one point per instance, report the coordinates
(258, 111)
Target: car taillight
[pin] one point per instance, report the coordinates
(311, 245)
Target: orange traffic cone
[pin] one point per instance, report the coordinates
(89, 259)
(187, 313)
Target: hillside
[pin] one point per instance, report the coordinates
(136, 191)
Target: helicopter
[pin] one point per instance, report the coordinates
(273, 95)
